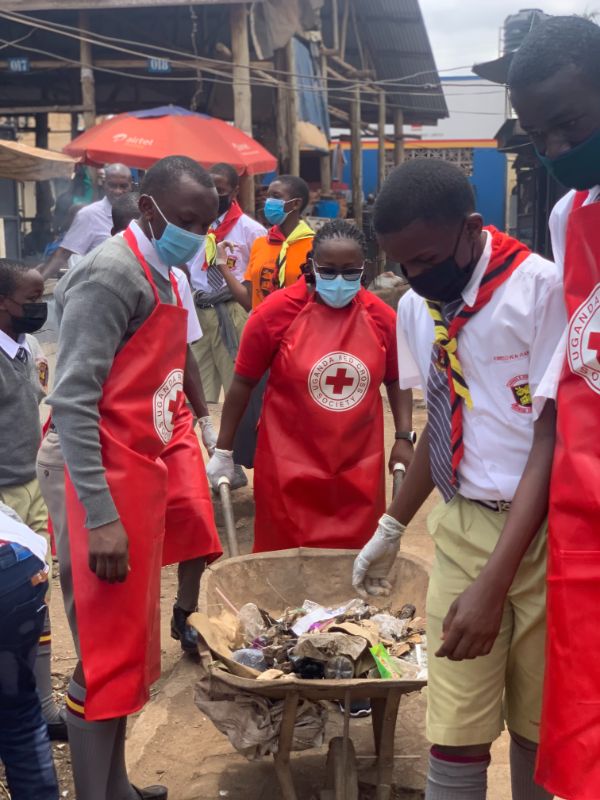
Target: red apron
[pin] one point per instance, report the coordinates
(119, 624)
(319, 476)
(569, 754)
(190, 521)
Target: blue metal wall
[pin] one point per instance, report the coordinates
(488, 179)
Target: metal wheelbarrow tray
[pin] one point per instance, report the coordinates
(282, 579)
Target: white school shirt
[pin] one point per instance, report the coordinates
(506, 346)
(559, 220)
(244, 233)
(194, 331)
(13, 531)
(92, 226)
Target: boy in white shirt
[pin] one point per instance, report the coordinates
(478, 341)
(24, 742)
(554, 80)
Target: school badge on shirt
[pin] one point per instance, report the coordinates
(583, 349)
(521, 391)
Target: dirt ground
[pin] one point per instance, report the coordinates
(171, 741)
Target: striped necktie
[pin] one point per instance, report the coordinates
(445, 402)
(215, 278)
(439, 412)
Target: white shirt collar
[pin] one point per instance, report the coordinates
(148, 251)
(469, 294)
(10, 347)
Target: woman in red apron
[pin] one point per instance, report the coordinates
(319, 468)
(568, 762)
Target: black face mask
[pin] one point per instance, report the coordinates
(443, 282)
(225, 201)
(34, 317)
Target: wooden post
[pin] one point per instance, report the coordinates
(43, 191)
(326, 158)
(88, 89)
(381, 140)
(398, 136)
(283, 151)
(356, 150)
(344, 33)
(242, 94)
(293, 110)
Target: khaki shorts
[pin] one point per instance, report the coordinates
(29, 504)
(469, 701)
(214, 361)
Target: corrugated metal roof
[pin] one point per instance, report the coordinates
(395, 34)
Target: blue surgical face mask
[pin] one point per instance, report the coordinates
(176, 245)
(274, 210)
(338, 292)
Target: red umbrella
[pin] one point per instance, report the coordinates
(140, 138)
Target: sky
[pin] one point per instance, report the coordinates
(464, 33)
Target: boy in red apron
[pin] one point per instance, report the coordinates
(555, 87)
(319, 468)
(477, 332)
(117, 407)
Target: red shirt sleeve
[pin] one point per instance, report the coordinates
(384, 318)
(265, 329)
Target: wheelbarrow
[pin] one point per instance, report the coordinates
(281, 579)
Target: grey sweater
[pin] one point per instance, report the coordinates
(100, 304)
(20, 432)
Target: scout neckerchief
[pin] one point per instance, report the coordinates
(507, 254)
(301, 231)
(218, 234)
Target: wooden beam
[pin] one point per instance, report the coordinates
(242, 93)
(293, 110)
(88, 89)
(398, 136)
(326, 158)
(381, 140)
(344, 30)
(335, 22)
(356, 151)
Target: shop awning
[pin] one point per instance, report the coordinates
(21, 162)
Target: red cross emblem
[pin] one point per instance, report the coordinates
(339, 381)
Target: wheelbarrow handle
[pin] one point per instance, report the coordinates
(228, 518)
(398, 473)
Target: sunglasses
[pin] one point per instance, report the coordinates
(331, 273)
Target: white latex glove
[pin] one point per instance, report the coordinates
(209, 435)
(220, 466)
(375, 560)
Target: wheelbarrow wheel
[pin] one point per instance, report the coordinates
(342, 779)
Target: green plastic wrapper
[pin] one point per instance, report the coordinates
(388, 666)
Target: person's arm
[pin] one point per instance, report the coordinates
(473, 621)
(376, 559)
(192, 386)
(239, 291)
(236, 402)
(57, 261)
(85, 356)
(401, 404)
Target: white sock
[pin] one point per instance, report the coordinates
(456, 780)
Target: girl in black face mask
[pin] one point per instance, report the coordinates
(22, 309)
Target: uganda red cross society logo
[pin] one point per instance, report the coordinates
(584, 341)
(166, 399)
(338, 381)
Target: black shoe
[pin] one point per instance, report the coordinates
(358, 708)
(152, 792)
(184, 633)
(58, 731)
